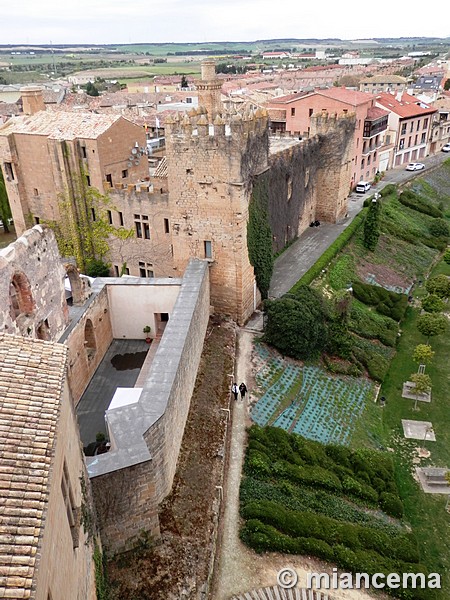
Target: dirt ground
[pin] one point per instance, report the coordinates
(179, 566)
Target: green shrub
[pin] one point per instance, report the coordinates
(392, 505)
(447, 256)
(438, 286)
(356, 488)
(97, 268)
(439, 227)
(385, 302)
(388, 190)
(432, 303)
(412, 200)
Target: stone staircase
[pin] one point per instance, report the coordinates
(278, 593)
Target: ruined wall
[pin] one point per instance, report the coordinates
(87, 345)
(32, 296)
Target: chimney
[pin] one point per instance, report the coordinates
(399, 96)
(32, 99)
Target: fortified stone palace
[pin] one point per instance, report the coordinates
(197, 203)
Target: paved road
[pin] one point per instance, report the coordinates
(313, 242)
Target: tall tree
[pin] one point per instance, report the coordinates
(431, 324)
(371, 226)
(422, 385)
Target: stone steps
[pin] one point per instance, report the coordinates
(278, 593)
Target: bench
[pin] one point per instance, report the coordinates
(436, 476)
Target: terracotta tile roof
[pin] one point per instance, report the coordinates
(342, 94)
(388, 78)
(32, 373)
(374, 113)
(161, 169)
(61, 125)
(405, 105)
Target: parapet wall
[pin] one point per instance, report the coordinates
(131, 480)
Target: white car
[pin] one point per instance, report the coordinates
(445, 148)
(415, 167)
(362, 187)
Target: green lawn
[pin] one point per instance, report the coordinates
(425, 512)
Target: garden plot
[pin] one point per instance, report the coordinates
(306, 400)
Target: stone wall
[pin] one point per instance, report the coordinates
(32, 297)
(85, 355)
(132, 479)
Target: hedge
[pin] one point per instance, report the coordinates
(321, 263)
(411, 200)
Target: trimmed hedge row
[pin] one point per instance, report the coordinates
(309, 525)
(387, 303)
(266, 538)
(411, 200)
(316, 269)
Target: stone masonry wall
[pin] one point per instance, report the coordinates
(82, 361)
(33, 262)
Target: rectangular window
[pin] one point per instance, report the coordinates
(142, 226)
(292, 112)
(109, 179)
(409, 141)
(423, 138)
(310, 112)
(88, 181)
(415, 140)
(127, 271)
(116, 271)
(208, 248)
(124, 173)
(411, 128)
(37, 220)
(93, 214)
(36, 192)
(73, 515)
(9, 171)
(166, 226)
(403, 129)
(401, 144)
(418, 125)
(120, 218)
(146, 269)
(425, 124)
(110, 219)
(83, 152)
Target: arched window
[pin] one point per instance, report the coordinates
(89, 340)
(21, 299)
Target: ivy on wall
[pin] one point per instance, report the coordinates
(259, 234)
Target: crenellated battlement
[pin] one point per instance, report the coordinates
(144, 187)
(198, 124)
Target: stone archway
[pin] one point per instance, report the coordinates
(76, 285)
(20, 296)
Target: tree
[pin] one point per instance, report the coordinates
(83, 230)
(439, 286)
(422, 385)
(439, 227)
(423, 354)
(447, 85)
(5, 209)
(431, 324)
(447, 256)
(296, 324)
(371, 226)
(184, 82)
(91, 89)
(432, 303)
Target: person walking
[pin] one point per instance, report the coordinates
(235, 390)
(243, 390)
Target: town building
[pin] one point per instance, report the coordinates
(195, 203)
(409, 126)
(386, 82)
(293, 113)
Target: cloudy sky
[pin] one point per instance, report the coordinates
(134, 21)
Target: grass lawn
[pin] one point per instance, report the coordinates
(425, 512)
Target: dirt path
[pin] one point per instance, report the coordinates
(240, 569)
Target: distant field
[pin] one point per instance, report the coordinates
(136, 73)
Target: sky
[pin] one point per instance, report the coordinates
(147, 21)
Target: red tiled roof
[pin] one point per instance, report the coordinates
(342, 94)
(374, 113)
(407, 106)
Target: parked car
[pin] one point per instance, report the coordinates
(415, 167)
(445, 148)
(362, 187)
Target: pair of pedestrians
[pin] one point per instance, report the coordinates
(242, 389)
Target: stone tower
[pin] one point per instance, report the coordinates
(212, 158)
(335, 136)
(209, 90)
